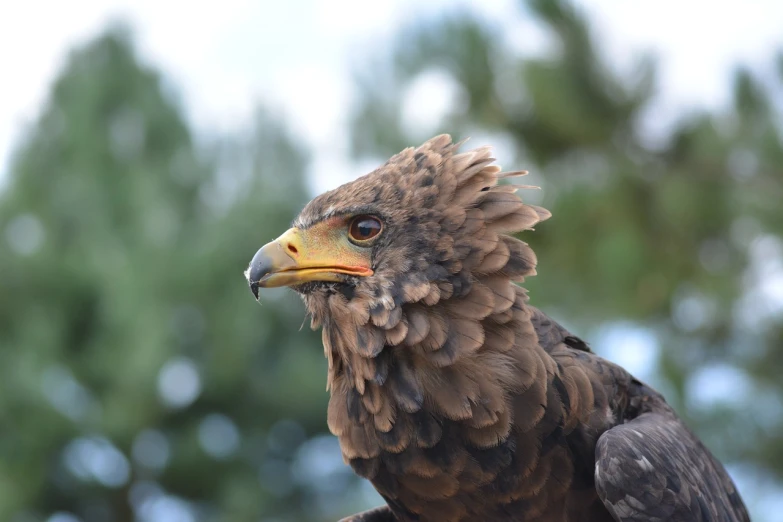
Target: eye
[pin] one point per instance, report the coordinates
(364, 228)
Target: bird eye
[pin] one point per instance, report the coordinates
(364, 228)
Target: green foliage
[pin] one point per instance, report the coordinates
(136, 370)
(679, 238)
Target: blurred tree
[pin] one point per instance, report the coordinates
(138, 380)
(682, 241)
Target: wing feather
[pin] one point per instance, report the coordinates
(653, 468)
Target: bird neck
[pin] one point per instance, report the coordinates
(456, 360)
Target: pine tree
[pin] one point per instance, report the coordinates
(137, 375)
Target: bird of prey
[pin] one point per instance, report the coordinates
(450, 393)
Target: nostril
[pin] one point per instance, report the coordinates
(292, 249)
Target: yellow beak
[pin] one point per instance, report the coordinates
(300, 256)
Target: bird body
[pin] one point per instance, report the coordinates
(450, 393)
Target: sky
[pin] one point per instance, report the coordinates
(297, 56)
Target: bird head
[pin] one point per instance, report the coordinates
(422, 229)
(373, 237)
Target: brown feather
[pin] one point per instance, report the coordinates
(438, 487)
(396, 335)
(380, 316)
(446, 290)
(415, 291)
(405, 385)
(395, 316)
(524, 218)
(438, 332)
(412, 461)
(503, 293)
(359, 442)
(418, 326)
(477, 305)
(522, 261)
(443, 510)
(464, 338)
(495, 260)
(491, 435)
(384, 419)
(432, 298)
(496, 205)
(499, 338)
(531, 405)
(398, 437)
(451, 392)
(467, 192)
(513, 174)
(474, 223)
(373, 398)
(428, 428)
(502, 318)
(452, 218)
(337, 413)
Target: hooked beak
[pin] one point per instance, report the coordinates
(294, 258)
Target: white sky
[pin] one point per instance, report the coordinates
(225, 57)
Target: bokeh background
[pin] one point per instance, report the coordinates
(148, 148)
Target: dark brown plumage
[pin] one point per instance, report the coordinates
(449, 392)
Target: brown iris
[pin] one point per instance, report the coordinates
(364, 228)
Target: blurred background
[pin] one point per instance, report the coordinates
(148, 148)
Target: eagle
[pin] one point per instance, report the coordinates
(456, 398)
